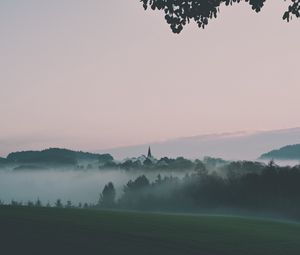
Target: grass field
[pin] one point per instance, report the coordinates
(71, 231)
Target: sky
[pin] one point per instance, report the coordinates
(99, 74)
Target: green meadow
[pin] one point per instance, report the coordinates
(26, 230)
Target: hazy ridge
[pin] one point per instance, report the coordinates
(290, 152)
(229, 146)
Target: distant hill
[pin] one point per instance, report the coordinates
(56, 156)
(290, 152)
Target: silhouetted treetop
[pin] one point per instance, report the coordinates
(108, 195)
(180, 12)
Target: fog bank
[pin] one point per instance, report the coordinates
(77, 186)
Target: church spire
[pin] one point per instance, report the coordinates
(149, 153)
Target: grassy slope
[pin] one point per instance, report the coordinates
(57, 231)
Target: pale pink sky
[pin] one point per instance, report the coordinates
(94, 74)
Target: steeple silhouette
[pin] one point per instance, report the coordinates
(149, 153)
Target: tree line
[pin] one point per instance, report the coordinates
(245, 186)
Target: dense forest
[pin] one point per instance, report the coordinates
(247, 186)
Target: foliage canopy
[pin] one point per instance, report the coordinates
(178, 13)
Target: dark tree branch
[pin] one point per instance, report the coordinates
(180, 12)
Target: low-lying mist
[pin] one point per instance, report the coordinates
(211, 185)
(74, 185)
